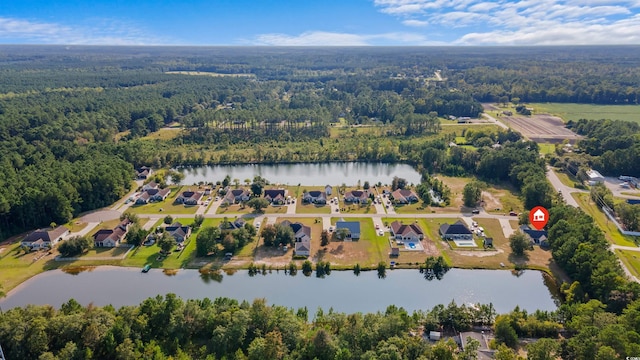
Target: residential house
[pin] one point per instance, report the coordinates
(275, 196)
(411, 232)
(236, 196)
(143, 172)
(302, 236)
(356, 196)
(149, 185)
(41, 239)
(328, 190)
(111, 237)
(152, 195)
(189, 197)
(538, 237)
(404, 196)
(457, 231)
(232, 225)
(179, 232)
(352, 228)
(315, 197)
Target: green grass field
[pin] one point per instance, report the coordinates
(587, 111)
(610, 230)
(631, 259)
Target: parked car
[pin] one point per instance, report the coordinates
(228, 256)
(330, 228)
(475, 211)
(381, 233)
(513, 213)
(257, 224)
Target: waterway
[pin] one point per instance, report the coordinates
(341, 290)
(310, 174)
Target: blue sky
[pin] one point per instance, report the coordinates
(320, 22)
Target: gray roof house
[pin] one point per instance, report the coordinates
(456, 231)
(315, 197)
(352, 227)
(45, 238)
(302, 235)
(179, 232)
(356, 196)
(404, 196)
(538, 237)
(189, 197)
(236, 196)
(275, 196)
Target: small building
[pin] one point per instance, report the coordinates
(435, 335)
(352, 229)
(143, 172)
(395, 252)
(594, 177)
(41, 239)
(456, 231)
(488, 242)
(328, 190)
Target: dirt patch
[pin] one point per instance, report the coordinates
(490, 201)
(480, 253)
(542, 128)
(100, 216)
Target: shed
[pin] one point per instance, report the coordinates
(395, 252)
(435, 335)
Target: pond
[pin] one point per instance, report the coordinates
(310, 174)
(342, 290)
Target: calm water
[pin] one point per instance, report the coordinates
(305, 174)
(341, 290)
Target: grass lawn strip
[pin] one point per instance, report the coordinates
(611, 232)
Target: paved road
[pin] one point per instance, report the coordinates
(613, 247)
(495, 121)
(90, 226)
(562, 188)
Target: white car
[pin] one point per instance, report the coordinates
(258, 225)
(381, 233)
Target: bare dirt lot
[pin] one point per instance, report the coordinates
(541, 128)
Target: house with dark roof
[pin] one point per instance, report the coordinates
(179, 232)
(151, 195)
(275, 196)
(456, 231)
(411, 232)
(404, 196)
(143, 172)
(111, 237)
(538, 237)
(356, 196)
(302, 236)
(41, 239)
(352, 229)
(233, 225)
(236, 196)
(314, 197)
(189, 197)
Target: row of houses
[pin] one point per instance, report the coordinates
(460, 231)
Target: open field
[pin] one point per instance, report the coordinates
(631, 259)
(610, 230)
(541, 128)
(566, 179)
(163, 134)
(587, 111)
(414, 208)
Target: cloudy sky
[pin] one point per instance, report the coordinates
(320, 22)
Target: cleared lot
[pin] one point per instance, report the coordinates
(541, 128)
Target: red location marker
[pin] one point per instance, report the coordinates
(538, 217)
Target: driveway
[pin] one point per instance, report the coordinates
(562, 188)
(90, 226)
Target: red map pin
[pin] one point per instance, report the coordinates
(538, 217)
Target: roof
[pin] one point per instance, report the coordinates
(273, 193)
(299, 229)
(458, 228)
(402, 229)
(352, 226)
(594, 174)
(46, 235)
(357, 194)
(536, 235)
(316, 193)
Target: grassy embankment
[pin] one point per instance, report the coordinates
(588, 111)
(611, 232)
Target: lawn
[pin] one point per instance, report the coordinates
(587, 111)
(368, 251)
(163, 134)
(357, 209)
(302, 208)
(631, 259)
(76, 225)
(546, 148)
(16, 266)
(414, 208)
(565, 178)
(611, 232)
(115, 253)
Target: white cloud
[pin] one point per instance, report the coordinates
(524, 22)
(99, 32)
(323, 38)
(415, 23)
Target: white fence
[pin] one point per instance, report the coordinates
(620, 228)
